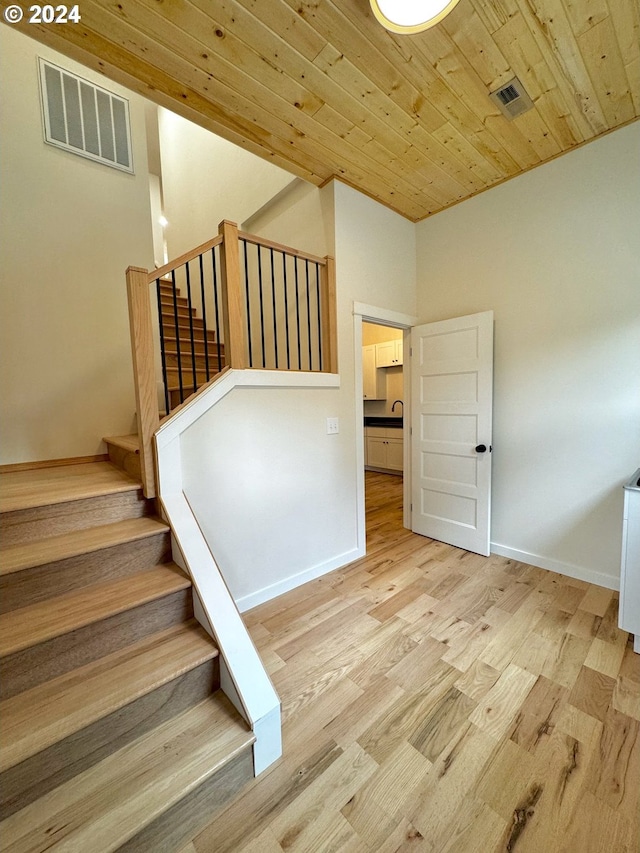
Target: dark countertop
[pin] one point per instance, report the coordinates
(394, 423)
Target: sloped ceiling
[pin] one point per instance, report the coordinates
(319, 88)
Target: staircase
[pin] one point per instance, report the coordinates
(114, 733)
(194, 361)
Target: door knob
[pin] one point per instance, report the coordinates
(481, 448)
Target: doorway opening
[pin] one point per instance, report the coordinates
(379, 326)
(383, 408)
(383, 398)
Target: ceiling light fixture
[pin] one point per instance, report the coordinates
(410, 16)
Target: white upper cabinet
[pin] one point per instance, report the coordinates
(389, 353)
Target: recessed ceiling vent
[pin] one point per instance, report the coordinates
(512, 99)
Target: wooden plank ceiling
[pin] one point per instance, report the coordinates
(319, 88)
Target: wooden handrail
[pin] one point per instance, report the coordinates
(184, 259)
(280, 247)
(141, 328)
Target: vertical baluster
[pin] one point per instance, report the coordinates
(247, 290)
(286, 308)
(320, 355)
(204, 318)
(295, 266)
(175, 318)
(275, 316)
(306, 265)
(264, 360)
(191, 335)
(217, 308)
(163, 353)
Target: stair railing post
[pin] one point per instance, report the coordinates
(329, 316)
(144, 377)
(232, 299)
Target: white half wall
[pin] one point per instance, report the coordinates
(556, 254)
(206, 179)
(69, 228)
(267, 485)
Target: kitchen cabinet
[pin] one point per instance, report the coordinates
(383, 448)
(389, 353)
(374, 381)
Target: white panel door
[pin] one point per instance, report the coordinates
(451, 393)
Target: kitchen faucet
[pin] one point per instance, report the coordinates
(395, 402)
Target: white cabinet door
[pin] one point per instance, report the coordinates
(394, 454)
(384, 448)
(451, 389)
(373, 380)
(377, 452)
(389, 354)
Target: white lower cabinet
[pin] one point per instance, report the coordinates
(383, 448)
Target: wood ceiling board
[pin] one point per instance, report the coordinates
(103, 56)
(322, 90)
(228, 84)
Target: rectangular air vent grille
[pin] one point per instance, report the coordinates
(512, 99)
(84, 118)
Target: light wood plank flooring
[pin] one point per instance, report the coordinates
(435, 700)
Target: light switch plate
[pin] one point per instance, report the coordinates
(333, 426)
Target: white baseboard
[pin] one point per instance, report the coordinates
(579, 572)
(293, 581)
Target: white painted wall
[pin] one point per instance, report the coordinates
(69, 228)
(376, 249)
(206, 179)
(556, 254)
(276, 496)
(271, 493)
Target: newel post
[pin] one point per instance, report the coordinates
(232, 301)
(144, 378)
(329, 316)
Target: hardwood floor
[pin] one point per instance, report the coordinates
(436, 700)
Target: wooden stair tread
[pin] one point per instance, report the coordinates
(41, 486)
(63, 614)
(56, 709)
(126, 442)
(27, 555)
(110, 803)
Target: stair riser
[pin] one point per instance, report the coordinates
(169, 322)
(186, 360)
(25, 525)
(187, 377)
(174, 396)
(182, 307)
(127, 460)
(28, 586)
(37, 775)
(30, 667)
(185, 343)
(179, 824)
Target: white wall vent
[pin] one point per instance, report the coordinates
(512, 99)
(84, 118)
